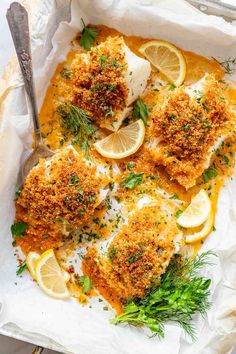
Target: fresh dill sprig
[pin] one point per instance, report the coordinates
(180, 294)
(75, 122)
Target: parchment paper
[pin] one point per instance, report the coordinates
(66, 325)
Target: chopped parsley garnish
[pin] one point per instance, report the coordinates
(18, 229)
(131, 165)
(174, 196)
(18, 193)
(205, 107)
(178, 213)
(89, 34)
(171, 117)
(157, 223)
(109, 112)
(141, 110)
(112, 253)
(96, 221)
(21, 269)
(132, 180)
(226, 160)
(171, 87)
(86, 283)
(131, 259)
(210, 173)
(73, 180)
(187, 126)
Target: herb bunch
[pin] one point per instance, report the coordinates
(180, 294)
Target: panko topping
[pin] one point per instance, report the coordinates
(58, 196)
(140, 252)
(188, 127)
(106, 80)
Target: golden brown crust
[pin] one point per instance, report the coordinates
(63, 194)
(139, 253)
(189, 128)
(99, 85)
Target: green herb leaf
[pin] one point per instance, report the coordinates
(174, 196)
(171, 87)
(131, 165)
(21, 269)
(89, 34)
(18, 193)
(226, 160)
(210, 173)
(86, 283)
(18, 229)
(132, 180)
(180, 295)
(141, 110)
(178, 213)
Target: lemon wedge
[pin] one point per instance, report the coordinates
(206, 229)
(197, 212)
(50, 277)
(168, 59)
(125, 142)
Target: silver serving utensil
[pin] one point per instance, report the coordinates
(17, 18)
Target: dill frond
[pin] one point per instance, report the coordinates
(76, 123)
(180, 294)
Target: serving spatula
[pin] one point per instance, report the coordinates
(17, 18)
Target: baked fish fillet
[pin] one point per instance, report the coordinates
(141, 250)
(188, 126)
(107, 80)
(60, 195)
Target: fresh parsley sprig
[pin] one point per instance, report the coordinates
(89, 34)
(18, 229)
(180, 294)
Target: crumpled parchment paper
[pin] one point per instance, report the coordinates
(27, 313)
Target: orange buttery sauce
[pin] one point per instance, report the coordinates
(197, 66)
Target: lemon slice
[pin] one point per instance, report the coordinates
(50, 277)
(168, 59)
(31, 261)
(206, 229)
(125, 142)
(197, 212)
